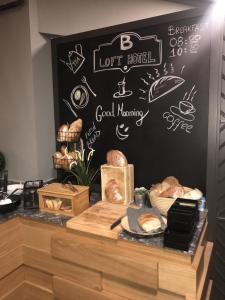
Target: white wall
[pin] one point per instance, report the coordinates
(65, 17)
(26, 97)
(26, 112)
(17, 138)
(43, 95)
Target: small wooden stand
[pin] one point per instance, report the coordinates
(125, 178)
(74, 199)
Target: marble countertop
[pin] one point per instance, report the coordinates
(157, 241)
(60, 220)
(36, 215)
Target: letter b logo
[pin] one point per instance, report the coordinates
(125, 42)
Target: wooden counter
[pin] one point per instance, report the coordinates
(42, 261)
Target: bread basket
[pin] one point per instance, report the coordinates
(161, 203)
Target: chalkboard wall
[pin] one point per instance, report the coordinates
(141, 88)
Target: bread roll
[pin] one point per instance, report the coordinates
(149, 222)
(75, 130)
(173, 192)
(112, 192)
(49, 204)
(73, 155)
(194, 194)
(66, 161)
(159, 187)
(165, 186)
(56, 204)
(59, 203)
(116, 158)
(64, 149)
(171, 180)
(156, 187)
(63, 133)
(76, 126)
(57, 160)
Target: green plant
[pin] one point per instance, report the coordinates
(140, 191)
(81, 169)
(2, 162)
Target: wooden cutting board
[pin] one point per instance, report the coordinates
(98, 219)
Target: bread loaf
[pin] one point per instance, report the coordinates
(194, 194)
(112, 192)
(57, 159)
(173, 192)
(66, 160)
(73, 155)
(116, 158)
(76, 126)
(171, 180)
(149, 223)
(63, 133)
(75, 130)
(49, 204)
(64, 149)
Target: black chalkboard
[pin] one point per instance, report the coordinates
(141, 88)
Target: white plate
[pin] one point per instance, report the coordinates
(125, 226)
(13, 187)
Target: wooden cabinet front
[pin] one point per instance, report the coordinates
(43, 261)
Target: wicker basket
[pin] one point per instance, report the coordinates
(161, 203)
(62, 163)
(68, 136)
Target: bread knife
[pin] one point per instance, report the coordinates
(115, 223)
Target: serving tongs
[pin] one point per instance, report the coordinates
(12, 193)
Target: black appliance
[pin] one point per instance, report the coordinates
(181, 221)
(30, 195)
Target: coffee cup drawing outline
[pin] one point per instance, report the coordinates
(185, 110)
(122, 92)
(186, 107)
(121, 86)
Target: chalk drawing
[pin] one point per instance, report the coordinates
(79, 97)
(75, 59)
(122, 131)
(122, 90)
(70, 108)
(84, 80)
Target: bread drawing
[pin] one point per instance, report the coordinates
(163, 86)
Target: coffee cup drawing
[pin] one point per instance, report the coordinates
(122, 92)
(121, 86)
(186, 107)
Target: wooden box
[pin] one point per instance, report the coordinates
(64, 199)
(124, 176)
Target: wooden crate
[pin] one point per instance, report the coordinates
(125, 178)
(72, 202)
